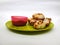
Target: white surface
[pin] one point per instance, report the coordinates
(49, 9)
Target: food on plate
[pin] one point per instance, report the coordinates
(19, 20)
(39, 21)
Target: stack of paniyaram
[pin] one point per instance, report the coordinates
(38, 21)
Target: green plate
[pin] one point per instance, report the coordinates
(27, 27)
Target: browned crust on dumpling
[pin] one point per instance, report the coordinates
(48, 20)
(38, 16)
(39, 21)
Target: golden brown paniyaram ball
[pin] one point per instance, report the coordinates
(38, 16)
(47, 21)
(39, 21)
(31, 21)
(39, 25)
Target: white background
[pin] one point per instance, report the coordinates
(50, 8)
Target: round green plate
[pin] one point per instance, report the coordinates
(27, 27)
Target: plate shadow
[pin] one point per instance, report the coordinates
(30, 32)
